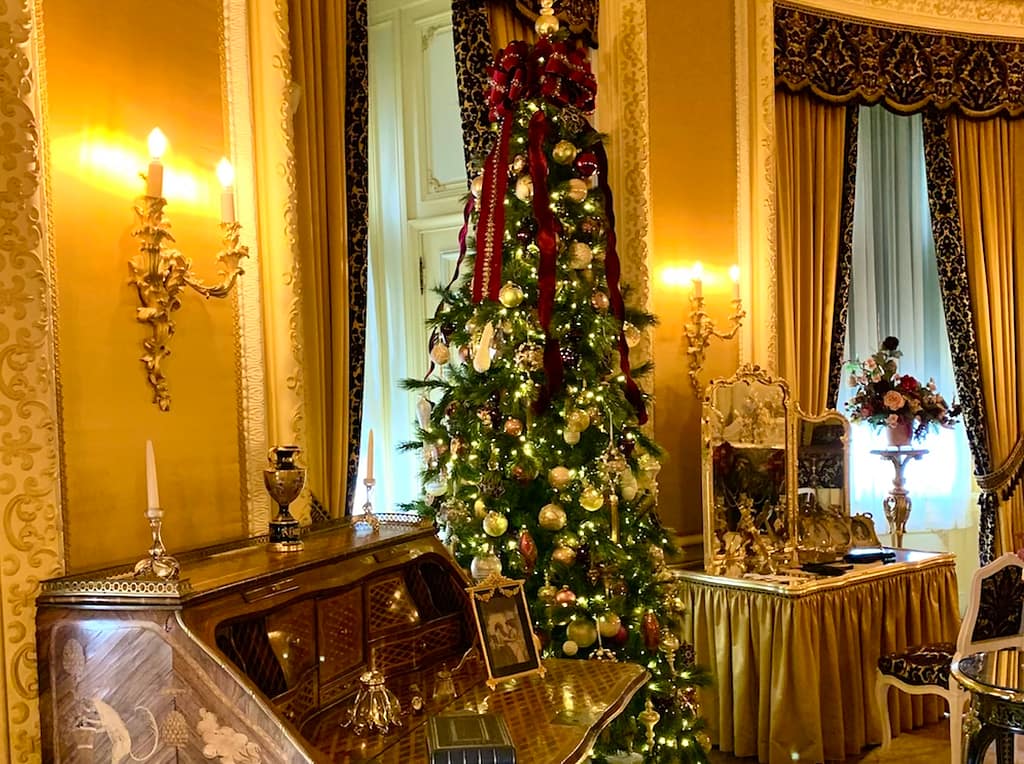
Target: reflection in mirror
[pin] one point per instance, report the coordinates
(746, 469)
(823, 495)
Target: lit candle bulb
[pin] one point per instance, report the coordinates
(369, 457)
(152, 490)
(734, 274)
(226, 176)
(155, 174)
(697, 276)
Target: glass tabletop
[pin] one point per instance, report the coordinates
(999, 673)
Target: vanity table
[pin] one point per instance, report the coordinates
(793, 656)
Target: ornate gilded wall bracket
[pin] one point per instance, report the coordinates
(159, 273)
(699, 331)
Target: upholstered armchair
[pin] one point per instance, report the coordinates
(994, 620)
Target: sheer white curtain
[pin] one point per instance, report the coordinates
(895, 291)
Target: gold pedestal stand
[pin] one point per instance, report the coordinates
(897, 504)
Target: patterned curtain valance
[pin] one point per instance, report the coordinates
(841, 59)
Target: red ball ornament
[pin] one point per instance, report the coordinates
(622, 635)
(585, 163)
(565, 596)
(528, 549)
(650, 630)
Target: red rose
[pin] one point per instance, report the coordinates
(909, 384)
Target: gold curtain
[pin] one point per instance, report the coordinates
(811, 158)
(318, 36)
(989, 173)
(507, 25)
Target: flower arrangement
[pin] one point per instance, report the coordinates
(886, 398)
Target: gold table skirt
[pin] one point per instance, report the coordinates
(794, 676)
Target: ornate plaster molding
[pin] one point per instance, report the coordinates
(30, 450)
(1001, 18)
(622, 75)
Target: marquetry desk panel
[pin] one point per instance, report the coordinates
(255, 656)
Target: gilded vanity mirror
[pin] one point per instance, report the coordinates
(821, 446)
(747, 472)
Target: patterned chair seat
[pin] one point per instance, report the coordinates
(921, 665)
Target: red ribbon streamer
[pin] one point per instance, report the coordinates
(613, 271)
(547, 242)
(463, 233)
(490, 226)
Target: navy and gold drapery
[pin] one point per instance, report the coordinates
(843, 60)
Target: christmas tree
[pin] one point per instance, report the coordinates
(536, 465)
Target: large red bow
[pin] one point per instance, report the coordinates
(557, 71)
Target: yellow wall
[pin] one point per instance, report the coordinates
(693, 186)
(111, 77)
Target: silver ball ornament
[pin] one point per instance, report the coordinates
(580, 255)
(570, 648)
(484, 565)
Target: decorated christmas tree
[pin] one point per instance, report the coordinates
(530, 420)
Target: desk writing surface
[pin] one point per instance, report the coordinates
(793, 666)
(553, 719)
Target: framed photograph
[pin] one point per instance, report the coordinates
(862, 531)
(506, 634)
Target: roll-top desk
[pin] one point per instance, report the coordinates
(254, 656)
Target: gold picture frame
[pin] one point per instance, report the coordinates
(862, 531)
(506, 633)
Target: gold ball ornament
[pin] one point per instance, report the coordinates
(575, 190)
(582, 632)
(591, 499)
(580, 255)
(476, 187)
(513, 426)
(559, 477)
(563, 554)
(564, 152)
(546, 25)
(495, 524)
(570, 648)
(479, 508)
(440, 354)
(551, 517)
(632, 334)
(524, 189)
(609, 624)
(547, 593)
(518, 163)
(578, 419)
(511, 295)
(572, 437)
(600, 301)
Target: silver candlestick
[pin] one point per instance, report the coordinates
(158, 564)
(367, 516)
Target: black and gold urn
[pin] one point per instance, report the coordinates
(284, 481)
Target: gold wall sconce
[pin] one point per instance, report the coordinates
(701, 329)
(160, 273)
